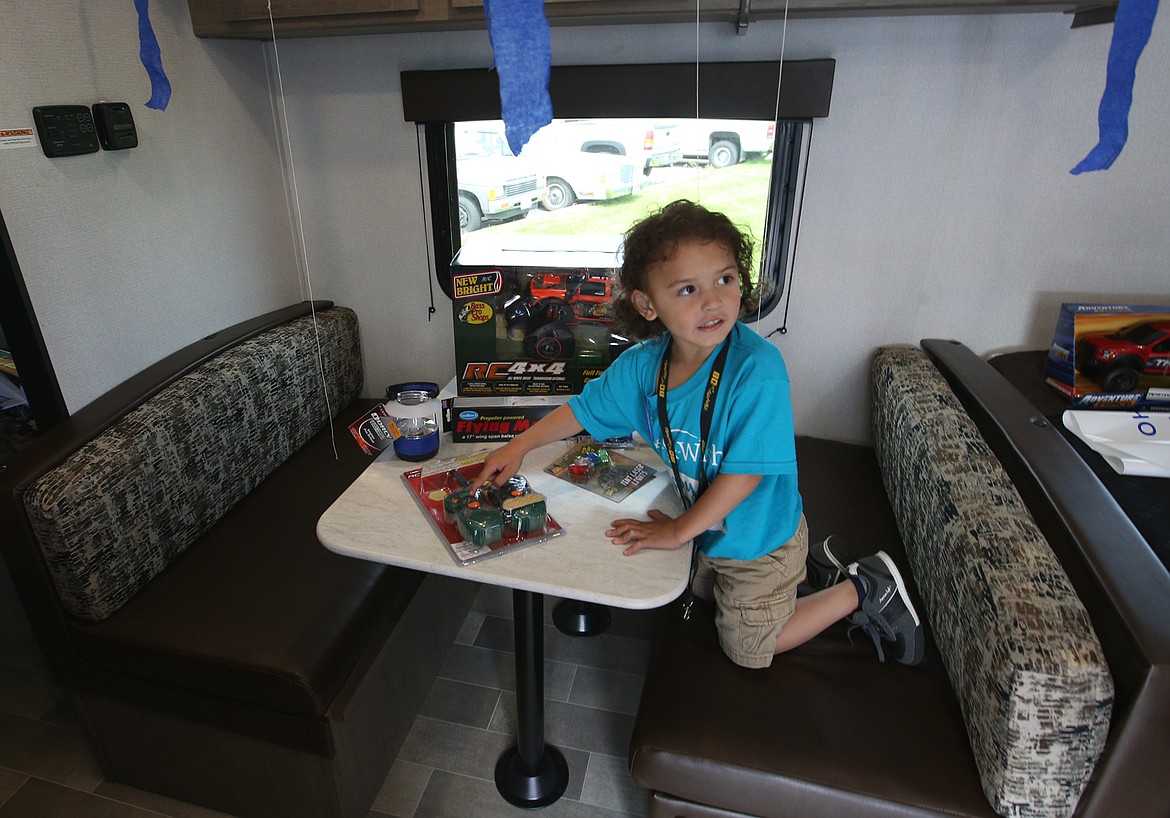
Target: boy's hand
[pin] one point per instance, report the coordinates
(505, 461)
(499, 465)
(660, 531)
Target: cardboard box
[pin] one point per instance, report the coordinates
(486, 420)
(1111, 356)
(533, 321)
(372, 430)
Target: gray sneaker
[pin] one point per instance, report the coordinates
(827, 561)
(886, 612)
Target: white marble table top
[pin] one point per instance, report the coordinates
(378, 519)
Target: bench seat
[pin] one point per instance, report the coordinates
(1041, 693)
(260, 611)
(163, 542)
(827, 730)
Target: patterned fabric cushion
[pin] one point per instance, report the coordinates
(1025, 664)
(121, 508)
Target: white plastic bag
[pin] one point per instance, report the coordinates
(1133, 443)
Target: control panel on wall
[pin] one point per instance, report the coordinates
(65, 130)
(71, 130)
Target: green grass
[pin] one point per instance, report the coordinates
(740, 192)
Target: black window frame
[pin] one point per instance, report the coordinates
(435, 100)
(46, 404)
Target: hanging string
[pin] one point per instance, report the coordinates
(422, 186)
(698, 176)
(299, 227)
(783, 328)
(776, 119)
(780, 73)
(288, 206)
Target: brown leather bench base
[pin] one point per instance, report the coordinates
(228, 769)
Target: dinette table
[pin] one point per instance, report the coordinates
(378, 518)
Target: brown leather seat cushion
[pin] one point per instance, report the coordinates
(827, 730)
(258, 610)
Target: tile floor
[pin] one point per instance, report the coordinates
(446, 765)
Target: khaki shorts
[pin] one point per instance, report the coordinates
(753, 598)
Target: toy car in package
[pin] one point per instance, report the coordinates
(597, 468)
(1111, 356)
(474, 523)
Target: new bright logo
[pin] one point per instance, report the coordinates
(476, 284)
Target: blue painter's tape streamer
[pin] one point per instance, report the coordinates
(151, 56)
(518, 31)
(1131, 31)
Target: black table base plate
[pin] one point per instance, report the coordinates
(580, 618)
(532, 790)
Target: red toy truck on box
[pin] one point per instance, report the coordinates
(1111, 356)
(1117, 360)
(587, 294)
(544, 316)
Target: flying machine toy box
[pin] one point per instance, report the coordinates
(534, 322)
(1111, 356)
(486, 420)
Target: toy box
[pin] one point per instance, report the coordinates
(533, 322)
(483, 420)
(1111, 356)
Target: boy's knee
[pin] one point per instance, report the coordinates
(748, 629)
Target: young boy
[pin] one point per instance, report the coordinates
(712, 397)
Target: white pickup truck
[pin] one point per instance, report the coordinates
(493, 188)
(724, 142)
(572, 175)
(649, 143)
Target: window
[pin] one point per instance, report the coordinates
(587, 177)
(583, 178)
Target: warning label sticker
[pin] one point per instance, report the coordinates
(16, 137)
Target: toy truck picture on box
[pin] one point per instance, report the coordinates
(1111, 356)
(531, 323)
(544, 315)
(1118, 360)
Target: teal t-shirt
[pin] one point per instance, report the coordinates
(751, 433)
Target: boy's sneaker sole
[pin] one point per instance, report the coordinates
(886, 613)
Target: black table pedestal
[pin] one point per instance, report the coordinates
(531, 774)
(577, 618)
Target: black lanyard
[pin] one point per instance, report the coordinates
(706, 413)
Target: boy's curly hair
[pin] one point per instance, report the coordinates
(656, 238)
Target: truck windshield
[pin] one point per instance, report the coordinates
(1141, 334)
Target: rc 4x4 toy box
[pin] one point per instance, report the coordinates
(533, 321)
(1111, 356)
